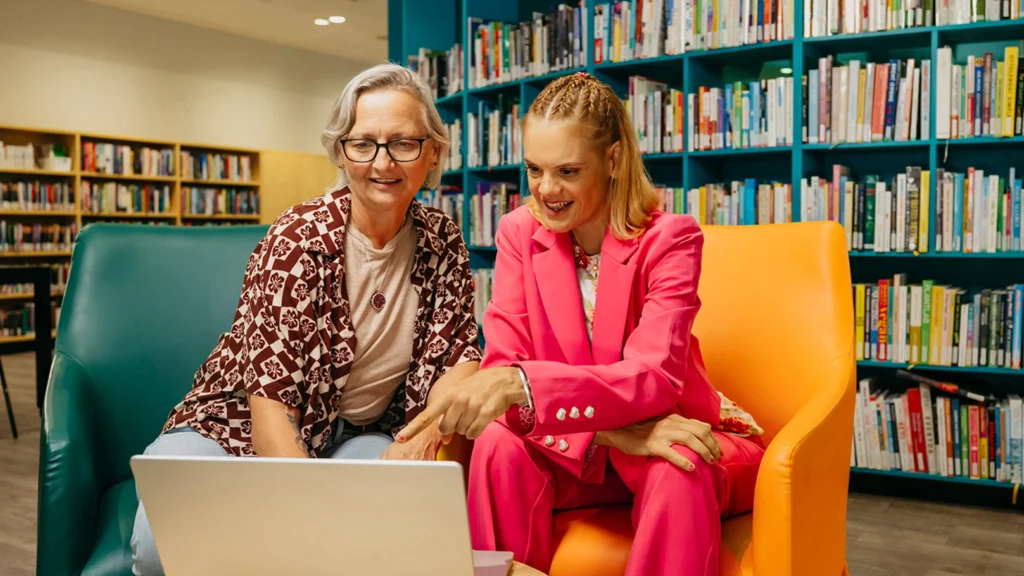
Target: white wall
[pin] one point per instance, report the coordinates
(75, 66)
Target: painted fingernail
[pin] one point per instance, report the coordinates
(401, 437)
(690, 468)
(712, 459)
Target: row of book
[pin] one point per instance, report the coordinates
(440, 69)
(17, 156)
(491, 201)
(20, 320)
(741, 115)
(110, 197)
(978, 212)
(216, 166)
(500, 52)
(732, 203)
(656, 112)
(455, 144)
(58, 280)
(940, 429)
(981, 97)
(634, 29)
(879, 215)
(126, 160)
(974, 212)
(483, 288)
(494, 133)
(447, 198)
(36, 195)
(21, 237)
(896, 320)
(866, 101)
(218, 201)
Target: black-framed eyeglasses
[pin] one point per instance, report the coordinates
(366, 149)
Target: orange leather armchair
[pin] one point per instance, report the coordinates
(775, 329)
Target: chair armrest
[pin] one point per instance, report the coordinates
(458, 450)
(69, 483)
(801, 492)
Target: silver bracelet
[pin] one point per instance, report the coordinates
(526, 387)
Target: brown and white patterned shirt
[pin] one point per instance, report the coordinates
(292, 339)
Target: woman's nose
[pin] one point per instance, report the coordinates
(383, 160)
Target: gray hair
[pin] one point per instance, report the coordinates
(384, 77)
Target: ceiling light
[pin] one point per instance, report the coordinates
(337, 19)
(786, 70)
(321, 22)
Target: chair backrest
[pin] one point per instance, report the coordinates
(776, 303)
(144, 307)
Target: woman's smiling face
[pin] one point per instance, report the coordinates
(568, 174)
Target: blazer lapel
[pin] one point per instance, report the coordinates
(614, 292)
(555, 273)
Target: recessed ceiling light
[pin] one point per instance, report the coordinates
(337, 19)
(786, 70)
(321, 22)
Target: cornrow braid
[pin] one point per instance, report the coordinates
(586, 99)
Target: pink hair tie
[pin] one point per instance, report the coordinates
(583, 74)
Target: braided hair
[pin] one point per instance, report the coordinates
(584, 98)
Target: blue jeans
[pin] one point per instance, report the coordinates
(188, 442)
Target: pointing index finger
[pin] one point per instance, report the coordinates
(421, 422)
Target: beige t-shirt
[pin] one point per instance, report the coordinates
(383, 337)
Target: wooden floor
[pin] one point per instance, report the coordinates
(885, 536)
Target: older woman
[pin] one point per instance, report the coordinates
(593, 389)
(356, 308)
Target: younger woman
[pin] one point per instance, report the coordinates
(591, 370)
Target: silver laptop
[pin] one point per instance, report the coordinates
(275, 516)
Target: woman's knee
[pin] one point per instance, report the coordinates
(498, 444)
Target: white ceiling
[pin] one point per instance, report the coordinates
(363, 36)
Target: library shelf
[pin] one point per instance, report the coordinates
(663, 156)
(37, 172)
(128, 177)
(856, 42)
(243, 217)
(28, 295)
(450, 173)
(646, 62)
(940, 368)
(935, 477)
(499, 167)
(21, 338)
(757, 151)
(982, 141)
(761, 51)
(476, 248)
(38, 213)
(37, 254)
(221, 183)
(449, 99)
(867, 145)
(946, 255)
(131, 215)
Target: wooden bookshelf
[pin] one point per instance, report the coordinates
(107, 165)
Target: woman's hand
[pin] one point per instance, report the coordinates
(423, 447)
(656, 438)
(468, 406)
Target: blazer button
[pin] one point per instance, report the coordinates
(589, 412)
(563, 445)
(200, 416)
(560, 414)
(549, 440)
(574, 413)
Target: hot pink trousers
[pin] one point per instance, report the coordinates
(514, 489)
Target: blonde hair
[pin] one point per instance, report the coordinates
(586, 99)
(383, 77)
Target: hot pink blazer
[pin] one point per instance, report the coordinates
(643, 362)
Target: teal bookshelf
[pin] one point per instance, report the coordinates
(438, 24)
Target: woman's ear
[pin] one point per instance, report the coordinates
(614, 154)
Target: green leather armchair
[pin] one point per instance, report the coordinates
(144, 307)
